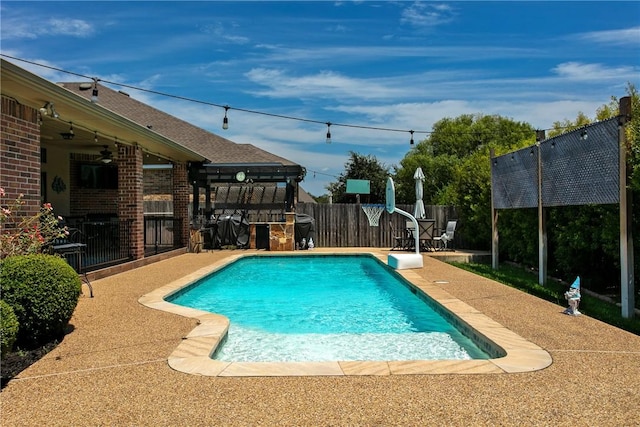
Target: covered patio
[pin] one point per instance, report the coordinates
(97, 155)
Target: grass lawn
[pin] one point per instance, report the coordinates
(519, 278)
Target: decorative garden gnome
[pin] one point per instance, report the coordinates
(573, 296)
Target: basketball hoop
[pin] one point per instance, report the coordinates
(373, 213)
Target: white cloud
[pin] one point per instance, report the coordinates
(46, 73)
(70, 27)
(586, 72)
(625, 36)
(324, 84)
(222, 33)
(17, 27)
(423, 14)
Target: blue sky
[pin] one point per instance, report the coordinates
(392, 64)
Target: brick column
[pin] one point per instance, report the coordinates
(130, 198)
(20, 155)
(181, 189)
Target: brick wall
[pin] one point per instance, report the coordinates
(89, 201)
(20, 154)
(181, 192)
(158, 182)
(130, 206)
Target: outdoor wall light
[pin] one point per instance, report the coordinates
(44, 110)
(328, 133)
(48, 108)
(225, 120)
(54, 113)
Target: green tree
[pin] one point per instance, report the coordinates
(567, 125)
(361, 167)
(610, 110)
(321, 199)
(455, 161)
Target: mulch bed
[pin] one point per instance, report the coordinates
(17, 361)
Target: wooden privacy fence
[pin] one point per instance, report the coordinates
(346, 225)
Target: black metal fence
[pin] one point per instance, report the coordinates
(160, 233)
(92, 245)
(108, 243)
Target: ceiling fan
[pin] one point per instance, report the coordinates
(106, 156)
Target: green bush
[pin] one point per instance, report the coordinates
(43, 291)
(8, 327)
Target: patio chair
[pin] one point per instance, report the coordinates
(447, 236)
(400, 241)
(426, 229)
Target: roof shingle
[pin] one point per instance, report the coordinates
(211, 146)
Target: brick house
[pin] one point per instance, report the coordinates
(96, 162)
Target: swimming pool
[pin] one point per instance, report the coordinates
(510, 353)
(285, 308)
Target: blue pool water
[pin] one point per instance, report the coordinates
(323, 308)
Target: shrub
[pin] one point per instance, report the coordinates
(8, 327)
(43, 291)
(21, 234)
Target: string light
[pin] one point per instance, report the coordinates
(328, 132)
(94, 92)
(411, 140)
(70, 134)
(225, 120)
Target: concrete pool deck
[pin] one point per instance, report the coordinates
(112, 368)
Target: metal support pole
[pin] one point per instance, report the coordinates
(627, 288)
(542, 226)
(494, 223)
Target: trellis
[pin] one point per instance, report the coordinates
(585, 166)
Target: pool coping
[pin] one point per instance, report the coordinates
(192, 355)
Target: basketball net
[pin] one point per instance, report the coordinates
(373, 213)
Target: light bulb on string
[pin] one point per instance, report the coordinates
(94, 92)
(328, 133)
(411, 140)
(225, 120)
